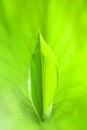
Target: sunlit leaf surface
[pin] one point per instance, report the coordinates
(63, 24)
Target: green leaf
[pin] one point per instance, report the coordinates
(43, 78)
(63, 25)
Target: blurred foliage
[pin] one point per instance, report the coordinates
(63, 25)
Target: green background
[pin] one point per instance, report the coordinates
(63, 24)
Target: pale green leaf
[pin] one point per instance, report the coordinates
(43, 78)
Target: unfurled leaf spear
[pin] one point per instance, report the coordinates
(43, 79)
